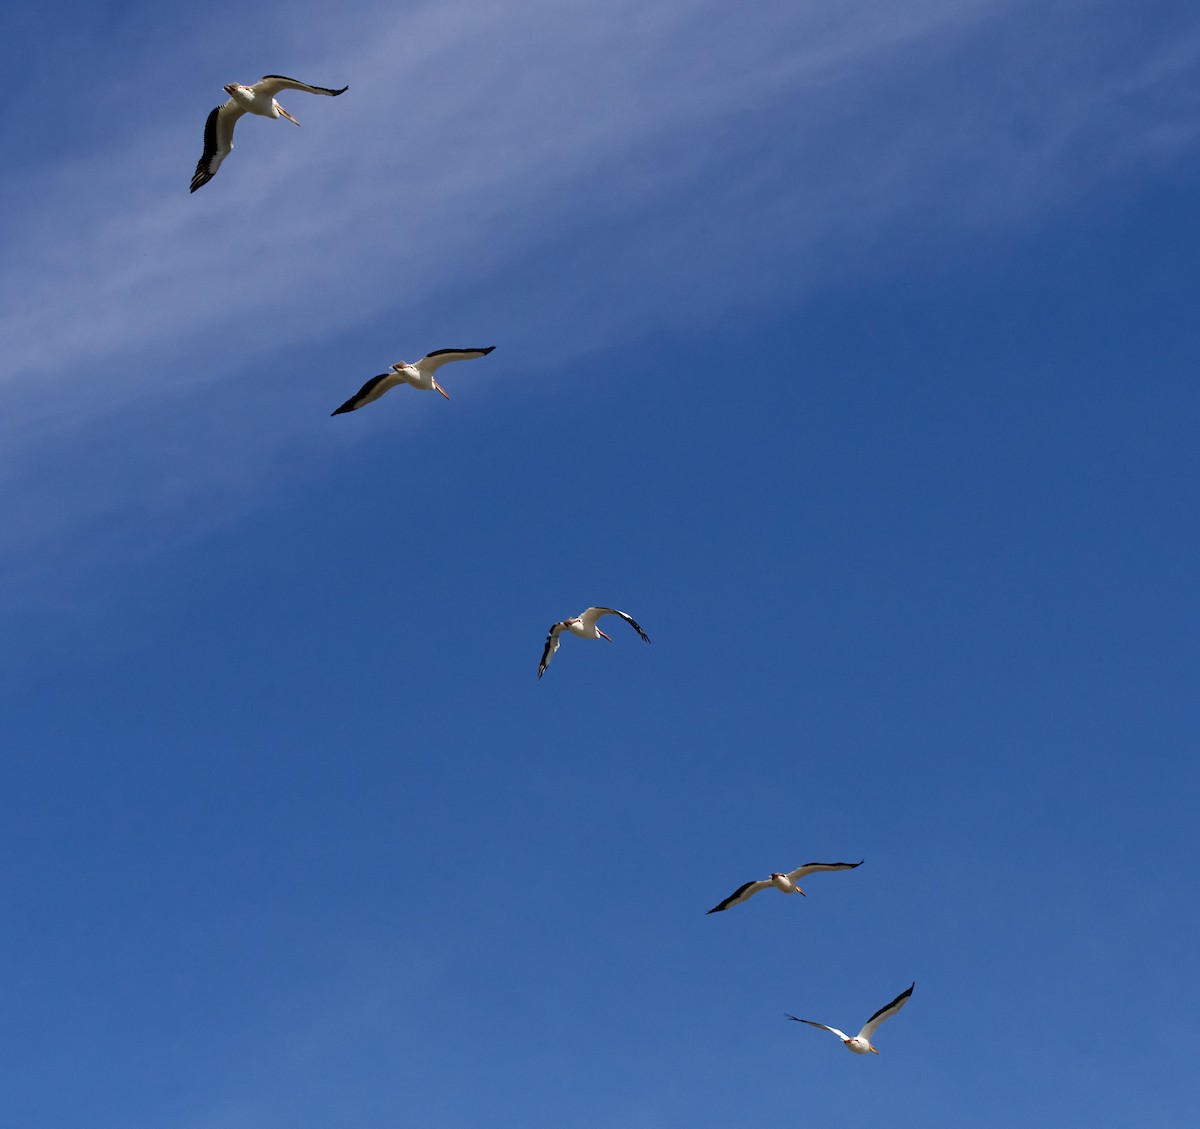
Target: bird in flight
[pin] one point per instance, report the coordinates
(860, 1044)
(584, 626)
(257, 99)
(419, 374)
(787, 883)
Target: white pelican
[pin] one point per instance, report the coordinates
(257, 99)
(419, 374)
(860, 1044)
(585, 627)
(784, 882)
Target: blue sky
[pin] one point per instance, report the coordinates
(849, 347)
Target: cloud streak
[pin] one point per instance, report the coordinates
(467, 133)
(573, 179)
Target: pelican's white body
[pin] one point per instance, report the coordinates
(254, 101)
(404, 373)
(784, 884)
(584, 630)
(417, 375)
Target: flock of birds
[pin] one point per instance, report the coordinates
(218, 143)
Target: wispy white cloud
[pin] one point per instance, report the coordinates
(574, 176)
(468, 131)
(471, 131)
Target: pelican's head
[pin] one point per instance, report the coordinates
(232, 88)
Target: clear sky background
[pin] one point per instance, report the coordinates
(851, 347)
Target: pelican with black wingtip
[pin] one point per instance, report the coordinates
(257, 99)
(860, 1044)
(786, 883)
(583, 625)
(419, 374)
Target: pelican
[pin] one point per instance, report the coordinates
(419, 374)
(585, 627)
(860, 1044)
(787, 883)
(257, 99)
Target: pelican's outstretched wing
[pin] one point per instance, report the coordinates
(814, 867)
(431, 362)
(590, 616)
(372, 390)
(552, 644)
(741, 894)
(840, 1034)
(218, 142)
(272, 84)
(885, 1012)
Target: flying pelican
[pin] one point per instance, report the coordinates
(257, 99)
(585, 627)
(785, 882)
(860, 1044)
(419, 374)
